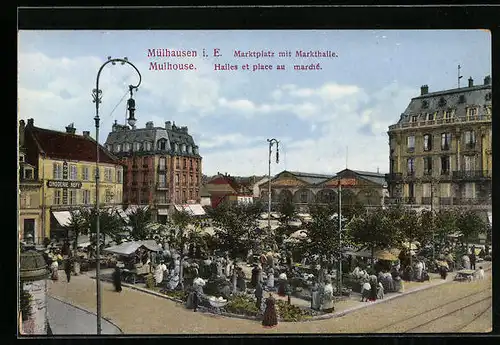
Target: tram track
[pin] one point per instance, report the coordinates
(398, 326)
(464, 327)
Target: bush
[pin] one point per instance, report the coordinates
(180, 295)
(289, 312)
(242, 305)
(150, 281)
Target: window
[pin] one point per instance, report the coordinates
(411, 143)
(107, 175)
(487, 110)
(470, 191)
(445, 190)
(431, 117)
(119, 175)
(425, 104)
(137, 147)
(176, 147)
(472, 113)
(21, 158)
(442, 102)
(445, 165)
(427, 142)
(162, 182)
(57, 197)
(427, 165)
(162, 145)
(72, 196)
(426, 190)
(470, 138)
(73, 172)
(184, 195)
(126, 147)
(28, 173)
(488, 96)
(86, 197)
(162, 163)
(445, 141)
(414, 118)
(176, 178)
(303, 196)
(57, 171)
(461, 99)
(118, 147)
(448, 114)
(95, 174)
(470, 163)
(411, 166)
(85, 173)
(147, 145)
(185, 163)
(184, 179)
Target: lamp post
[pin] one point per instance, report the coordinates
(96, 98)
(271, 144)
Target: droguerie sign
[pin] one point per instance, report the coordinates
(64, 184)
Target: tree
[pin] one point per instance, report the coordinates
(287, 212)
(323, 241)
(140, 224)
(444, 225)
(78, 224)
(181, 220)
(412, 227)
(110, 224)
(376, 229)
(469, 224)
(235, 227)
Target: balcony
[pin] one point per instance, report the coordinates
(470, 146)
(445, 201)
(440, 122)
(471, 175)
(394, 177)
(409, 200)
(161, 186)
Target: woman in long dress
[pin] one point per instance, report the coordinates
(270, 318)
(270, 280)
(117, 279)
(54, 267)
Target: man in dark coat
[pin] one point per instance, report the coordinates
(117, 279)
(259, 292)
(472, 258)
(67, 269)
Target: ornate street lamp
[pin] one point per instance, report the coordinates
(271, 144)
(96, 98)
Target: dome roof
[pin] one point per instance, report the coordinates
(32, 266)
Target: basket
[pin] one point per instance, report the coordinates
(217, 303)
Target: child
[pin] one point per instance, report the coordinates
(480, 273)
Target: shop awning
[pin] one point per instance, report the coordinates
(129, 248)
(62, 217)
(192, 209)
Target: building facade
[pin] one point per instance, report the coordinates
(304, 189)
(440, 149)
(30, 214)
(64, 164)
(225, 188)
(162, 166)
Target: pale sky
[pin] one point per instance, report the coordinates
(315, 114)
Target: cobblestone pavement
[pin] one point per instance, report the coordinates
(67, 319)
(136, 312)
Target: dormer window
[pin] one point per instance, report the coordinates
(147, 145)
(28, 173)
(430, 117)
(118, 147)
(190, 149)
(137, 147)
(21, 158)
(126, 147)
(461, 99)
(183, 148)
(414, 118)
(162, 145)
(425, 104)
(448, 114)
(442, 102)
(472, 112)
(176, 147)
(488, 96)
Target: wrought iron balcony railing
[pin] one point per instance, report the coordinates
(471, 174)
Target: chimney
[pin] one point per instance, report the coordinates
(86, 134)
(71, 129)
(184, 129)
(487, 80)
(424, 89)
(150, 125)
(471, 82)
(31, 122)
(21, 133)
(168, 125)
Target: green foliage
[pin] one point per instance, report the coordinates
(470, 225)
(179, 295)
(25, 300)
(414, 227)
(287, 211)
(78, 224)
(289, 312)
(150, 281)
(242, 305)
(322, 235)
(235, 226)
(110, 222)
(140, 221)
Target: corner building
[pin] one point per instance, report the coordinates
(440, 149)
(162, 166)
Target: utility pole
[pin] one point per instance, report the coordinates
(459, 76)
(340, 238)
(271, 143)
